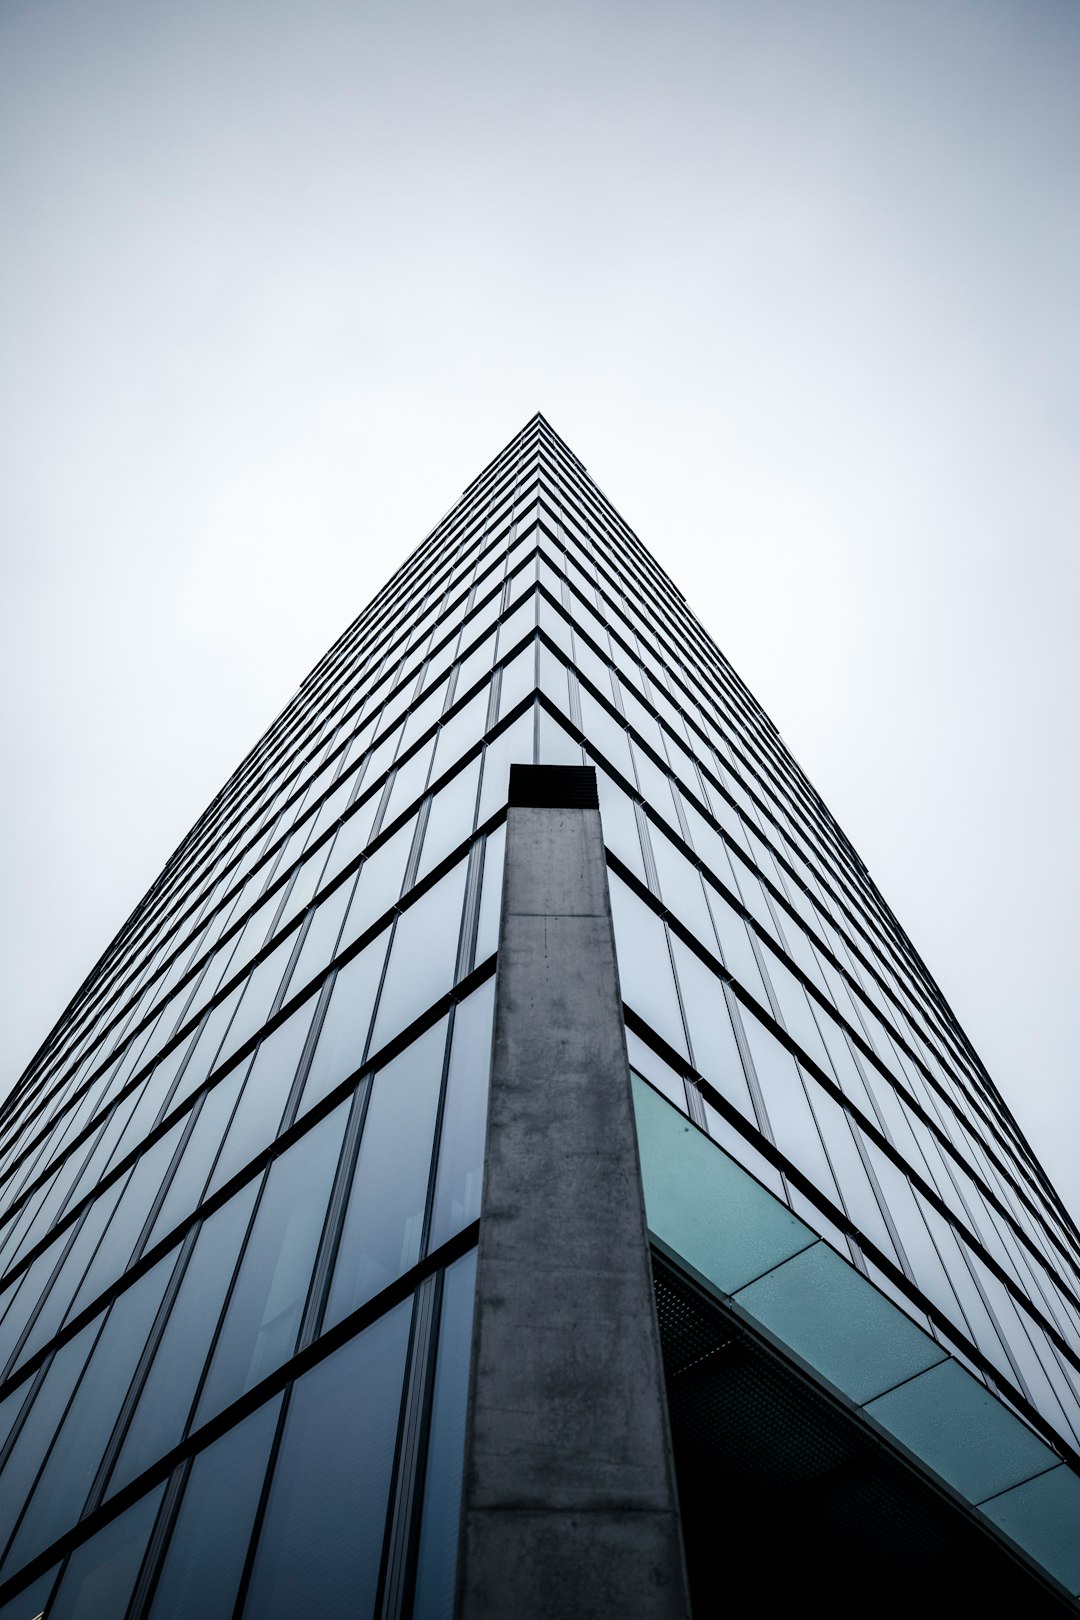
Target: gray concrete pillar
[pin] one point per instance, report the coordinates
(569, 1498)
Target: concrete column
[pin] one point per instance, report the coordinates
(569, 1499)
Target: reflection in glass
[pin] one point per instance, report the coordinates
(267, 1303)
(343, 1036)
(160, 1418)
(459, 1180)
(321, 1541)
(76, 1454)
(205, 1560)
(385, 1214)
(450, 819)
(422, 956)
(645, 975)
(266, 1091)
(33, 1439)
(101, 1574)
(440, 1524)
(487, 928)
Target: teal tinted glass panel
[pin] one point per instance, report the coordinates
(962, 1431)
(820, 1307)
(703, 1206)
(1043, 1516)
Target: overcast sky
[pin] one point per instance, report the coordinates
(797, 281)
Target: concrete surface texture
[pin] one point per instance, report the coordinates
(570, 1504)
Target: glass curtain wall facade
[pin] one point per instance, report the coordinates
(241, 1180)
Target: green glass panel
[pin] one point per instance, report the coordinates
(1043, 1517)
(703, 1205)
(962, 1431)
(837, 1321)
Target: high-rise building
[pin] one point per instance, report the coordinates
(377, 1240)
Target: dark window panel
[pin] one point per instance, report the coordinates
(201, 1573)
(100, 1575)
(266, 1306)
(320, 1545)
(459, 1178)
(74, 1459)
(160, 1417)
(384, 1218)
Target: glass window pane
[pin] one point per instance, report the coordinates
(32, 1601)
(451, 817)
(205, 1050)
(320, 941)
(34, 1437)
(620, 824)
(513, 746)
(379, 885)
(409, 781)
(189, 1177)
(77, 1452)
(266, 1091)
(646, 979)
(161, 1415)
(321, 1542)
(715, 1053)
(267, 1303)
(478, 662)
(462, 1136)
(115, 1248)
(343, 1036)
(735, 947)
(487, 927)
(555, 746)
(441, 1515)
(205, 1560)
(26, 1294)
(422, 957)
(680, 887)
(644, 1061)
(460, 732)
(384, 1220)
(794, 1128)
(258, 998)
(518, 679)
(101, 1574)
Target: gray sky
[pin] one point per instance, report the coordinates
(798, 282)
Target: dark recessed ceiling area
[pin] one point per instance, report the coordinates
(788, 1497)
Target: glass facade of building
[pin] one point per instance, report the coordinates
(241, 1180)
